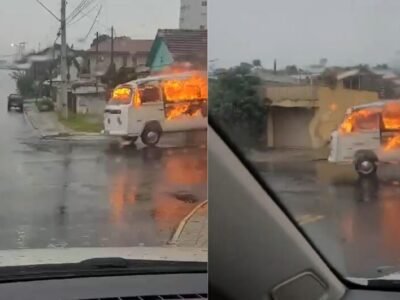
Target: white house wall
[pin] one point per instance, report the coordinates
(90, 104)
(193, 14)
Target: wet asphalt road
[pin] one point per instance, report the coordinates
(63, 194)
(355, 223)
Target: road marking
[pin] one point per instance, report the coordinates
(307, 219)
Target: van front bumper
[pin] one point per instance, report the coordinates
(118, 133)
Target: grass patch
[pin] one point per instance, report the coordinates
(84, 123)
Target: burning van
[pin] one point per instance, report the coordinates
(369, 135)
(147, 107)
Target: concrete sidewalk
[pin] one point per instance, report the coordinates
(192, 232)
(48, 126)
(46, 123)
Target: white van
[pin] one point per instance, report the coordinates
(369, 135)
(149, 106)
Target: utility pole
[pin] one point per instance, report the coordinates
(97, 60)
(112, 45)
(64, 91)
(112, 67)
(51, 70)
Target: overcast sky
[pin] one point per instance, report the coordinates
(27, 21)
(302, 31)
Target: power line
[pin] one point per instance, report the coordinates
(85, 5)
(97, 21)
(94, 22)
(76, 9)
(84, 14)
(48, 10)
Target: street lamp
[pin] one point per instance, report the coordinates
(20, 49)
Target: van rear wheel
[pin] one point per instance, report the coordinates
(151, 134)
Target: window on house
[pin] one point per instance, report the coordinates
(124, 61)
(202, 27)
(203, 3)
(149, 92)
(352, 83)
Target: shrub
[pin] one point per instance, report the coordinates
(237, 107)
(45, 104)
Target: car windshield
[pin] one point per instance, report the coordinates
(282, 101)
(81, 178)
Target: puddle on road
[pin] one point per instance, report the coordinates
(161, 189)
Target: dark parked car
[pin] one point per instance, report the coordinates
(15, 100)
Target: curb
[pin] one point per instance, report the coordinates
(182, 224)
(63, 136)
(28, 120)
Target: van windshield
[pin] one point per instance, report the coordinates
(121, 95)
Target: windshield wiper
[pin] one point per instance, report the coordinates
(111, 266)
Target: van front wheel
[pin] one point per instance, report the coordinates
(151, 134)
(365, 165)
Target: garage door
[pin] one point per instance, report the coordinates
(291, 127)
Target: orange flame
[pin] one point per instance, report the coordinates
(137, 101)
(393, 143)
(181, 109)
(186, 89)
(361, 119)
(391, 115)
(367, 119)
(391, 121)
(175, 69)
(185, 95)
(122, 93)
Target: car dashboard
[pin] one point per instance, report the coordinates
(137, 287)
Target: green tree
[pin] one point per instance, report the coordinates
(102, 38)
(236, 105)
(257, 63)
(124, 75)
(382, 67)
(25, 83)
(292, 70)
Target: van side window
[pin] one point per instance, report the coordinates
(150, 92)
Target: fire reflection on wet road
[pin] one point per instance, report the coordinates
(68, 194)
(354, 222)
(143, 190)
